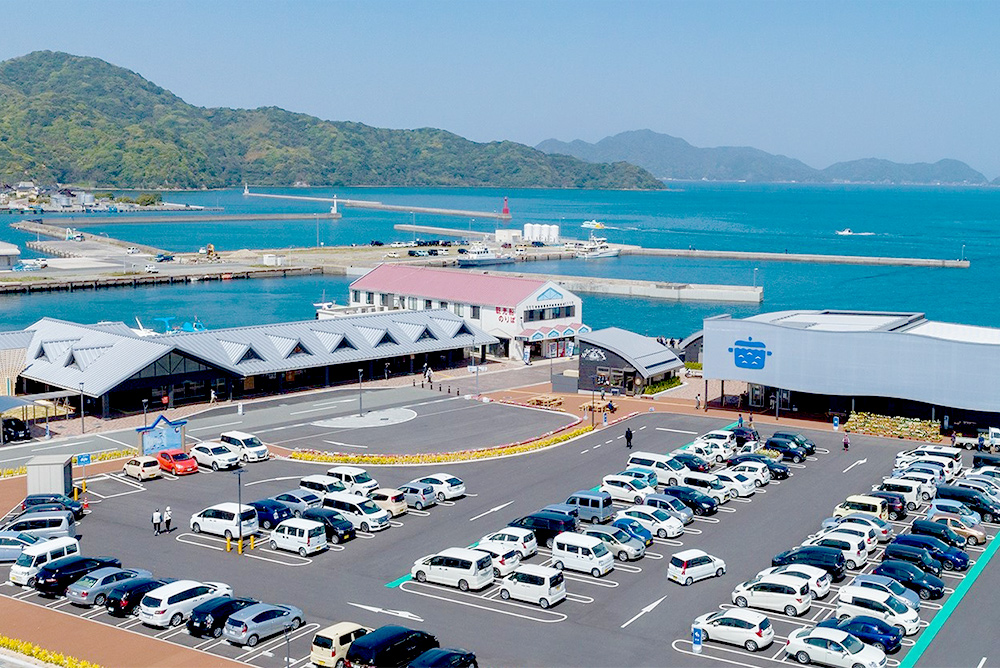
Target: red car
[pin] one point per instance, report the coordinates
(177, 462)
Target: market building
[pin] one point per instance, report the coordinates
(527, 316)
(830, 363)
(623, 362)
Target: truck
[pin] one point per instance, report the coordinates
(990, 436)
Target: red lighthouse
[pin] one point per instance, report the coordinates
(506, 209)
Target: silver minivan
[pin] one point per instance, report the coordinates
(592, 506)
(53, 524)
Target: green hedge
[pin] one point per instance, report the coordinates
(673, 381)
(692, 365)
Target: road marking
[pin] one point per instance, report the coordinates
(346, 445)
(216, 426)
(257, 482)
(648, 608)
(610, 440)
(857, 463)
(583, 452)
(677, 431)
(982, 662)
(395, 613)
(491, 510)
(556, 617)
(599, 445)
(61, 445)
(115, 440)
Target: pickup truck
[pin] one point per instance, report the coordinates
(991, 438)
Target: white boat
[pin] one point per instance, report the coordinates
(592, 225)
(846, 232)
(596, 247)
(480, 255)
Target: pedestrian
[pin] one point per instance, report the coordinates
(157, 519)
(847, 442)
(697, 402)
(602, 393)
(212, 398)
(739, 420)
(628, 438)
(953, 439)
(430, 375)
(387, 371)
(750, 423)
(167, 515)
(982, 443)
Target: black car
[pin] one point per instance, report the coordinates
(897, 504)
(338, 528)
(442, 657)
(389, 647)
(913, 578)
(124, 599)
(545, 524)
(917, 556)
(975, 500)
(14, 429)
(43, 508)
(55, 576)
(827, 558)
(788, 450)
(798, 439)
(744, 434)
(869, 630)
(209, 617)
(778, 470)
(700, 504)
(67, 503)
(950, 558)
(940, 531)
(270, 513)
(693, 462)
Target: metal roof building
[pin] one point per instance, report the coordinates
(110, 363)
(623, 361)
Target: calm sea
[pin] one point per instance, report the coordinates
(889, 221)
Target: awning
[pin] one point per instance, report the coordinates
(6, 403)
(550, 332)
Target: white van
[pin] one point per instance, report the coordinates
(51, 524)
(35, 556)
(708, 484)
(582, 553)
(221, 520)
(354, 480)
(951, 457)
(909, 489)
(172, 603)
(248, 446)
(322, 485)
(298, 535)
(456, 567)
(853, 601)
(540, 585)
(668, 470)
(358, 510)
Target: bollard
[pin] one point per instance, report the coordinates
(239, 546)
(449, 389)
(421, 385)
(251, 541)
(84, 485)
(229, 544)
(414, 382)
(76, 494)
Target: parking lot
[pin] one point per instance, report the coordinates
(632, 616)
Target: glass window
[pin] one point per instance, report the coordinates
(369, 298)
(475, 313)
(428, 304)
(354, 296)
(459, 309)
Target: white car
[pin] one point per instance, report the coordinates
(783, 593)
(737, 483)
(540, 585)
(756, 471)
(854, 601)
(172, 603)
(216, 455)
(445, 485)
(522, 540)
(657, 521)
(691, 565)
(505, 559)
(625, 488)
(852, 547)
(750, 629)
(883, 530)
(871, 538)
(707, 451)
(832, 647)
(132, 250)
(355, 480)
(723, 441)
(247, 446)
(818, 579)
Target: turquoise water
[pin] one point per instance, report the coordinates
(921, 222)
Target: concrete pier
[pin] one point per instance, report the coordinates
(815, 258)
(444, 232)
(63, 222)
(379, 206)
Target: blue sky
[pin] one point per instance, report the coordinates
(819, 81)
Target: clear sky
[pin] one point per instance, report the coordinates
(819, 81)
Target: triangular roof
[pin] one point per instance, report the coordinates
(450, 285)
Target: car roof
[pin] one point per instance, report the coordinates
(814, 571)
(461, 553)
(864, 591)
(255, 608)
(778, 578)
(229, 505)
(348, 469)
(828, 633)
(391, 491)
(871, 577)
(534, 569)
(105, 570)
(174, 587)
(300, 523)
(340, 628)
(745, 614)
(237, 434)
(684, 555)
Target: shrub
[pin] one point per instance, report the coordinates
(692, 365)
(35, 652)
(664, 384)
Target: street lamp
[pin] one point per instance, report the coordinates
(145, 404)
(963, 252)
(360, 406)
(755, 277)
(288, 647)
(239, 502)
(82, 425)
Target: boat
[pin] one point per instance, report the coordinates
(596, 247)
(846, 232)
(592, 225)
(480, 255)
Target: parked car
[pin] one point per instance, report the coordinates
(926, 585)
(634, 529)
(870, 630)
(798, 439)
(951, 558)
(172, 603)
(42, 508)
(298, 501)
(917, 556)
(50, 524)
(542, 585)
(883, 530)
(782, 593)
(69, 504)
(445, 486)
(692, 462)
(689, 566)
(896, 503)
(522, 540)
(338, 528)
(863, 532)
(755, 471)
(216, 455)
(176, 461)
(624, 488)
(330, 645)
(504, 562)
(247, 446)
(418, 495)
(831, 647)
(618, 542)
(700, 504)
(14, 429)
(355, 480)
(445, 657)
(888, 585)
(748, 628)
(253, 623)
(390, 500)
(226, 519)
(829, 559)
(950, 506)
(546, 525)
(789, 451)
(298, 535)
(648, 476)
(208, 618)
(388, 647)
(456, 567)
(852, 547)
(973, 533)
(852, 601)
(654, 520)
(270, 513)
(124, 599)
(93, 588)
(940, 531)
(12, 542)
(723, 440)
(817, 579)
(142, 468)
(737, 483)
(53, 578)
(777, 470)
(670, 505)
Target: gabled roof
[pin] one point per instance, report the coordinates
(647, 356)
(450, 285)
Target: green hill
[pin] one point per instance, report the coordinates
(76, 120)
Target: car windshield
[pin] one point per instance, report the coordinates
(852, 644)
(674, 464)
(181, 456)
(368, 507)
(621, 536)
(220, 450)
(966, 521)
(600, 550)
(660, 515)
(24, 560)
(639, 483)
(27, 538)
(741, 477)
(896, 605)
(717, 485)
(248, 515)
(86, 581)
(896, 588)
(252, 442)
(454, 482)
(362, 477)
(677, 504)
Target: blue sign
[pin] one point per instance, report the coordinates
(83, 459)
(696, 639)
(836, 422)
(749, 354)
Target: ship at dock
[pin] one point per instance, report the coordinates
(481, 255)
(594, 248)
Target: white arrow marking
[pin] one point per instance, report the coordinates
(648, 608)
(395, 613)
(860, 461)
(491, 510)
(346, 445)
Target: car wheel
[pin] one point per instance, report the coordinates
(718, 459)
(926, 496)
(988, 517)
(948, 566)
(418, 506)
(196, 527)
(364, 527)
(972, 540)
(595, 572)
(622, 556)
(740, 602)
(733, 494)
(662, 533)
(176, 619)
(893, 515)
(296, 623)
(719, 572)
(924, 594)
(246, 460)
(440, 496)
(757, 483)
(335, 538)
(100, 599)
(750, 645)
(901, 630)
(699, 511)
(217, 632)
(843, 617)
(851, 566)
(879, 646)
(297, 513)
(302, 552)
(791, 611)
(463, 585)
(504, 594)
(637, 500)
(543, 602)
(266, 524)
(559, 565)
(911, 506)
(421, 576)
(548, 543)
(673, 481)
(229, 534)
(496, 573)
(688, 582)
(215, 466)
(802, 658)
(858, 665)
(797, 459)
(340, 663)
(252, 641)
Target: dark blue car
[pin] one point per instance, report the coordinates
(778, 470)
(634, 530)
(926, 585)
(870, 631)
(951, 558)
(270, 513)
(700, 504)
(693, 462)
(445, 657)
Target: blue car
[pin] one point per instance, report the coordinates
(869, 630)
(270, 513)
(693, 462)
(634, 530)
(951, 558)
(926, 585)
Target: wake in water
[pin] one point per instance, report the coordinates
(848, 232)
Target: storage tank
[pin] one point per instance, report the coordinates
(531, 232)
(551, 234)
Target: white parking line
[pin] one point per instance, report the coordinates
(347, 445)
(677, 431)
(115, 440)
(583, 452)
(277, 641)
(216, 426)
(425, 590)
(709, 520)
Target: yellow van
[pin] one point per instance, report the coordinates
(866, 505)
(330, 645)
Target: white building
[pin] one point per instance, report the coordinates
(530, 315)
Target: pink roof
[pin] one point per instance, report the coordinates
(450, 285)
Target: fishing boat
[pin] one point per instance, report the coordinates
(596, 247)
(846, 232)
(480, 255)
(592, 225)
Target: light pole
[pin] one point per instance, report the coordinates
(82, 425)
(239, 502)
(360, 406)
(755, 277)
(963, 252)
(317, 231)
(288, 647)
(145, 403)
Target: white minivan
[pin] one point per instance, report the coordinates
(853, 601)
(248, 446)
(707, 484)
(354, 480)
(456, 567)
(582, 553)
(172, 603)
(358, 510)
(33, 557)
(298, 535)
(221, 520)
(908, 489)
(668, 469)
(540, 585)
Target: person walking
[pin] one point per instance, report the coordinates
(602, 392)
(739, 420)
(387, 371)
(212, 397)
(953, 439)
(750, 423)
(167, 515)
(697, 402)
(628, 438)
(847, 442)
(157, 519)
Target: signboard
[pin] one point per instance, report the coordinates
(83, 459)
(836, 422)
(163, 434)
(696, 639)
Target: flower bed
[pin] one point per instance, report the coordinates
(893, 427)
(375, 459)
(35, 652)
(99, 457)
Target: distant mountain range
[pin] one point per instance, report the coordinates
(74, 120)
(669, 157)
